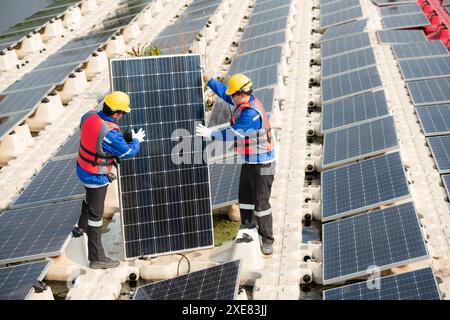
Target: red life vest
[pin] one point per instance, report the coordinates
(258, 141)
(91, 156)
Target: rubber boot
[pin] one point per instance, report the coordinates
(97, 257)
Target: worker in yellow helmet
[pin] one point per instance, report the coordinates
(101, 144)
(254, 141)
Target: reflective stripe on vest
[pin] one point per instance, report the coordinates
(258, 141)
(91, 156)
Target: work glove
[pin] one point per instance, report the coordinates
(111, 177)
(140, 135)
(203, 131)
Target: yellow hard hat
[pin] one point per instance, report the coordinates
(238, 82)
(118, 101)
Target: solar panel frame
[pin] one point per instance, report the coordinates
(269, 5)
(363, 247)
(334, 114)
(344, 30)
(19, 102)
(440, 149)
(266, 28)
(405, 21)
(339, 195)
(401, 36)
(8, 123)
(168, 289)
(344, 85)
(56, 181)
(425, 68)
(433, 48)
(70, 147)
(389, 288)
(26, 233)
(265, 16)
(348, 62)
(24, 276)
(434, 120)
(429, 91)
(359, 141)
(262, 42)
(345, 45)
(337, 6)
(131, 220)
(341, 17)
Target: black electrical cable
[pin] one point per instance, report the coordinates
(179, 262)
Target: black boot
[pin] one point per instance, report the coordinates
(97, 257)
(84, 217)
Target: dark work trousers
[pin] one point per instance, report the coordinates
(91, 220)
(255, 186)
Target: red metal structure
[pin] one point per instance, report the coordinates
(439, 17)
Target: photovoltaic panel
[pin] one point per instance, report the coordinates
(430, 91)
(71, 146)
(269, 5)
(400, 10)
(68, 57)
(269, 27)
(42, 78)
(256, 60)
(265, 16)
(440, 148)
(425, 68)
(225, 182)
(384, 238)
(344, 30)
(359, 141)
(37, 232)
(18, 102)
(264, 77)
(421, 49)
(435, 120)
(446, 181)
(166, 205)
(401, 36)
(355, 110)
(9, 122)
(341, 17)
(221, 112)
(57, 181)
(175, 44)
(348, 62)
(337, 6)
(350, 84)
(92, 38)
(215, 283)
(180, 28)
(262, 42)
(16, 282)
(409, 20)
(345, 45)
(414, 285)
(392, 2)
(362, 186)
(326, 2)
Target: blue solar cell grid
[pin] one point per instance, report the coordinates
(440, 148)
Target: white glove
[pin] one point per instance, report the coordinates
(140, 135)
(203, 131)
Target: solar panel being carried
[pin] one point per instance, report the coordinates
(420, 49)
(384, 238)
(435, 120)
(225, 182)
(440, 148)
(359, 141)
(413, 285)
(16, 282)
(355, 110)
(430, 91)
(215, 283)
(166, 205)
(364, 185)
(37, 232)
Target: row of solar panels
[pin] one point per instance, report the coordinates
(339, 12)
(35, 22)
(20, 99)
(356, 124)
(260, 52)
(403, 16)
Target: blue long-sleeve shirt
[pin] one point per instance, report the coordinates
(115, 144)
(248, 120)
